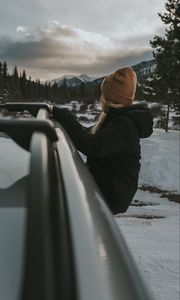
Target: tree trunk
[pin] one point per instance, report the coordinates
(167, 117)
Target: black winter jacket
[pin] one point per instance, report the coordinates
(113, 152)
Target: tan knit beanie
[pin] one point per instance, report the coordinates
(119, 87)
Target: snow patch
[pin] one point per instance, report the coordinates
(160, 161)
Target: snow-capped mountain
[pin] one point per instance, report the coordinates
(72, 80)
(87, 78)
(145, 68)
(142, 69)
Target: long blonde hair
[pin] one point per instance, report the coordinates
(105, 108)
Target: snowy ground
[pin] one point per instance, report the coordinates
(151, 224)
(152, 233)
(160, 160)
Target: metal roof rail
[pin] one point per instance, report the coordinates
(32, 107)
(21, 130)
(48, 269)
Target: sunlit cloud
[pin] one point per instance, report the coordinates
(21, 29)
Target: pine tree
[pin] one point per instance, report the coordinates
(64, 89)
(82, 90)
(5, 71)
(5, 87)
(38, 89)
(15, 85)
(29, 88)
(164, 84)
(23, 82)
(1, 80)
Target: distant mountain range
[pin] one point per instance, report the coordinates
(72, 80)
(142, 69)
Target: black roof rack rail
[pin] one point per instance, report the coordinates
(48, 268)
(21, 130)
(49, 260)
(32, 107)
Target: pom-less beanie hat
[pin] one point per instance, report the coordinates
(119, 87)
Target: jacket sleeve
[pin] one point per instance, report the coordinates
(111, 140)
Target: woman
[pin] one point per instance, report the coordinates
(113, 146)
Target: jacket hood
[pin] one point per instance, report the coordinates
(140, 114)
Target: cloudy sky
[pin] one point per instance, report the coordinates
(50, 38)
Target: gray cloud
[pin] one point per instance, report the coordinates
(120, 17)
(20, 12)
(50, 51)
(55, 50)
